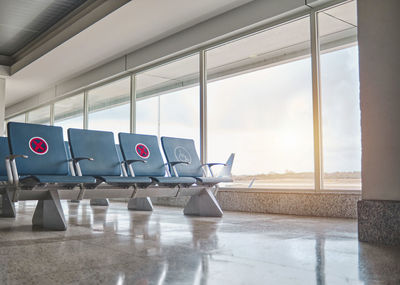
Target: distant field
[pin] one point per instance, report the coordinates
(338, 180)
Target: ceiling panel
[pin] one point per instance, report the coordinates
(21, 21)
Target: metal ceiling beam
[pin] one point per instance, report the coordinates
(6, 60)
(69, 26)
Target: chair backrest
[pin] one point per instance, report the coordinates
(142, 147)
(98, 145)
(44, 146)
(120, 158)
(178, 149)
(119, 152)
(226, 171)
(4, 152)
(67, 150)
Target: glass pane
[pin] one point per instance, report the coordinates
(340, 100)
(40, 116)
(180, 115)
(19, 119)
(260, 108)
(147, 116)
(68, 113)
(109, 107)
(168, 100)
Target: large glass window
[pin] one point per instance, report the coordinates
(148, 116)
(19, 119)
(40, 116)
(259, 104)
(68, 113)
(168, 100)
(341, 129)
(109, 107)
(260, 107)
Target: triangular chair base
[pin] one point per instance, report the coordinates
(204, 205)
(140, 204)
(99, 202)
(49, 213)
(7, 206)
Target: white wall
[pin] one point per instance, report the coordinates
(379, 49)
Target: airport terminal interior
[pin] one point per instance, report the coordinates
(199, 142)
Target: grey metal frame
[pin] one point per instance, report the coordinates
(133, 104)
(52, 114)
(315, 56)
(203, 106)
(85, 110)
(49, 214)
(316, 99)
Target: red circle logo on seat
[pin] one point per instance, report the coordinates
(38, 145)
(142, 150)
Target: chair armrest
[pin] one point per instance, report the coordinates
(173, 163)
(129, 164)
(213, 164)
(11, 167)
(77, 159)
(14, 156)
(77, 166)
(130, 161)
(209, 165)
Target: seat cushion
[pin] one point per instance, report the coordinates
(125, 180)
(60, 179)
(175, 180)
(213, 180)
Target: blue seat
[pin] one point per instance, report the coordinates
(46, 160)
(119, 152)
(64, 179)
(143, 155)
(183, 161)
(104, 164)
(4, 152)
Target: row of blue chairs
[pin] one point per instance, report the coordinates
(39, 165)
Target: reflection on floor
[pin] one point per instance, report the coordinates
(116, 246)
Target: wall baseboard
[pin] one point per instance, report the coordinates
(337, 205)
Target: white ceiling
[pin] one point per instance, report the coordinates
(138, 23)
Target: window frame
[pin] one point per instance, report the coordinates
(312, 12)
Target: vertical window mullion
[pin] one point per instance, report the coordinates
(52, 114)
(133, 104)
(85, 110)
(203, 106)
(315, 61)
(159, 117)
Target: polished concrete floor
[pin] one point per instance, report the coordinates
(116, 246)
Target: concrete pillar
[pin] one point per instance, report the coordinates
(2, 104)
(379, 46)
